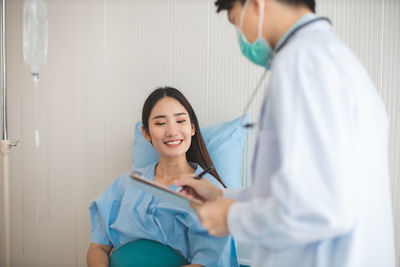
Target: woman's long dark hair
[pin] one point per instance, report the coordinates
(197, 152)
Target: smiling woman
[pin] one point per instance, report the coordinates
(171, 125)
(123, 213)
(169, 130)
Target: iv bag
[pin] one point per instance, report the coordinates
(35, 35)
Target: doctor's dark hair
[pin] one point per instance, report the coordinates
(197, 152)
(228, 4)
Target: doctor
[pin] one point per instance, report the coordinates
(320, 179)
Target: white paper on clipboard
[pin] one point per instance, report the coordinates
(163, 192)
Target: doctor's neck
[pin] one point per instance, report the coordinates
(279, 18)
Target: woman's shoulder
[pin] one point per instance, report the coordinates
(118, 189)
(146, 172)
(122, 182)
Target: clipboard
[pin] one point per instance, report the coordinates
(163, 192)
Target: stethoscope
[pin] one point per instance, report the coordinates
(262, 78)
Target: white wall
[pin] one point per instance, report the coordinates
(104, 58)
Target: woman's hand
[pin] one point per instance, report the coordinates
(97, 255)
(199, 189)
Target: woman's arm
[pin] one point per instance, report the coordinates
(97, 255)
(193, 265)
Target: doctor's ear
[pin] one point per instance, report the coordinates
(258, 5)
(146, 134)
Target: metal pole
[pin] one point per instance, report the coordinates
(4, 56)
(5, 156)
(5, 147)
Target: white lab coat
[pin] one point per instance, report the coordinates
(320, 192)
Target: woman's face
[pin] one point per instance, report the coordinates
(170, 129)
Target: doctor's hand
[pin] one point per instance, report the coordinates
(199, 189)
(213, 215)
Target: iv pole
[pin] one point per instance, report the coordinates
(5, 149)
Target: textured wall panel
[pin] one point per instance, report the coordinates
(390, 85)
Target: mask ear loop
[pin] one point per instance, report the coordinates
(242, 15)
(261, 20)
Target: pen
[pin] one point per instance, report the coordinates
(197, 177)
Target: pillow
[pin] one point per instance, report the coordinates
(224, 143)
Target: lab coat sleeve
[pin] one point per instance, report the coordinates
(234, 193)
(314, 193)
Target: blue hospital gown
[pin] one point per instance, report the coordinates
(124, 213)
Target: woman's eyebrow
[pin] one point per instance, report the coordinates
(180, 114)
(164, 116)
(159, 117)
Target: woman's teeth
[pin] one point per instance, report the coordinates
(173, 142)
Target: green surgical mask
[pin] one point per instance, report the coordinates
(259, 52)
